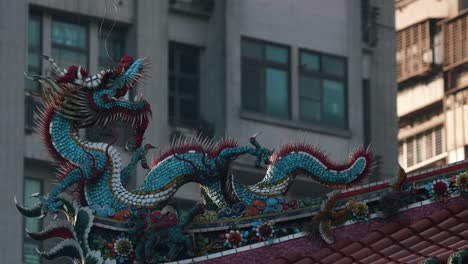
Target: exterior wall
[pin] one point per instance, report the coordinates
(306, 18)
(443, 84)
(426, 94)
(12, 63)
(409, 12)
(383, 124)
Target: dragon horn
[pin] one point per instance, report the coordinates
(254, 136)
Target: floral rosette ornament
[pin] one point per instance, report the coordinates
(235, 238)
(263, 230)
(358, 209)
(440, 189)
(122, 249)
(462, 182)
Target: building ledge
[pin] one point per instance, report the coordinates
(294, 124)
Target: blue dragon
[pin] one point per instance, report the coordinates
(72, 100)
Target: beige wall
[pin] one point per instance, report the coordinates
(410, 12)
(420, 95)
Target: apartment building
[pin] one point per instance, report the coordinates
(432, 74)
(315, 71)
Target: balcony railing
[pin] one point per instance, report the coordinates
(414, 51)
(455, 32)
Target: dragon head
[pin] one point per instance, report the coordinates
(99, 99)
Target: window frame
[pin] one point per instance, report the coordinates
(175, 119)
(264, 63)
(84, 51)
(302, 71)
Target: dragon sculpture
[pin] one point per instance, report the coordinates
(73, 100)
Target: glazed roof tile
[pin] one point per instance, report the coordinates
(436, 236)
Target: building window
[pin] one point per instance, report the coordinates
(69, 43)
(34, 51)
(115, 44)
(30, 255)
(265, 77)
(421, 147)
(322, 89)
(33, 65)
(184, 82)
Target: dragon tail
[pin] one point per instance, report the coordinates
(302, 159)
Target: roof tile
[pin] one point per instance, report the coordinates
(332, 258)
(450, 241)
(390, 228)
(411, 241)
(391, 250)
(430, 232)
(371, 258)
(400, 254)
(351, 248)
(459, 228)
(371, 238)
(429, 250)
(440, 216)
(362, 253)
(444, 235)
(402, 234)
(382, 243)
(438, 235)
(421, 225)
(306, 261)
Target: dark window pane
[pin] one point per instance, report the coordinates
(334, 66)
(171, 60)
(310, 61)
(183, 84)
(34, 33)
(171, 107)
(277, 54)
(34, 62)
(68, 34)
(172, 83)
(276, 92)
(310, 87)
(188, 63)
(251, 87)
(188, 109)
(334, 103)
(252, 49)
(188, 86)
(310, 110)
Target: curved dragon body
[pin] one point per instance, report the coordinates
(71, 105)
(73, 100)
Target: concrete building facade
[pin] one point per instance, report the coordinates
(432, 56)
(322, 72)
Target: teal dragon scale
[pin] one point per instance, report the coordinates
(73, 100)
